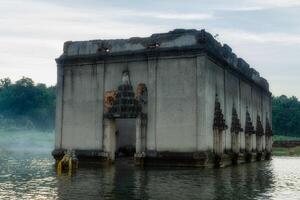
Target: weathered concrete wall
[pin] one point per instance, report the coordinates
(113, 73)
(151, 140)
(82, 102)
(232, 99)
(214, 86)
(204, 137)
(245, 90)
(256, 109)
(59, 107)
(176, 105)
(181, 97)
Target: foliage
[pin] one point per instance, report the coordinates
(285, 138)
(286, 116)
(26, 105)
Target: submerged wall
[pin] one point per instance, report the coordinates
(185, 71)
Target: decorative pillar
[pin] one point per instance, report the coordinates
(141, 127)
(109, 140)
(249, 130)
(259, 136)
(144, 132)
(268, 139)
(235, 135)
(218, 129)
(59, 107)
(138, 139)
(141, 123)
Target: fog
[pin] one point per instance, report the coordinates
(27, 141)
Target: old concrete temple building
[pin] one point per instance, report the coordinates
(177, 98)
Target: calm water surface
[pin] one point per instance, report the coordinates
(26, 174)
(32, 176)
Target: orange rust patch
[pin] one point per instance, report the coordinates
(109, 98)
(139, 90)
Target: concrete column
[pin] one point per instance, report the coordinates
(99, 105)
(235, 142)
(144, 134)
(259, 143)
(237, 150)
(242, 141)
(263, 142)
(201, 82)
(268, 144)
(253, 145)
(218, 142)
(141, 129)
(151, 106)
(248, 140)
(109, 139)
(221, 136)
(138, 139)
(215, 141)
(59, 107)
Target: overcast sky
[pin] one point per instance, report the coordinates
(266, 33)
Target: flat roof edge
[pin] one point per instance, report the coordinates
(179, 41)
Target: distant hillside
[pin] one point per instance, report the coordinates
(26, 105)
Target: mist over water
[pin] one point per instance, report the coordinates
(29, 141)
(27, 172)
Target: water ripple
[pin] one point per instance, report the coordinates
(32, 176)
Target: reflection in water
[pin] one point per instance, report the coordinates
(32, 176)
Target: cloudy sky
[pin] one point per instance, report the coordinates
(266, 33)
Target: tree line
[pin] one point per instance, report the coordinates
(26, 105)
(286, 116)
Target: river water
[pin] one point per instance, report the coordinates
(26, 174)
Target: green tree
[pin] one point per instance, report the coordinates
(29, 105)
(5, 82)
(286, 116)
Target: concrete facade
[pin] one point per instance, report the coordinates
(192, 85)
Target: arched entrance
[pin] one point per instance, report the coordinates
(125, 137)
(125, 120)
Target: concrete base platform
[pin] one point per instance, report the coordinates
(250, 156)
(205, 159)
(259, 156)
(238, 158)
(177, 159)
(268, 156)
(85, 156)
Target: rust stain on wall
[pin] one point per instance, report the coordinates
(109, 98)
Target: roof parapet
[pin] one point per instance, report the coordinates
(163, 41)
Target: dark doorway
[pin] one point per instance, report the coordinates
(125, 137)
